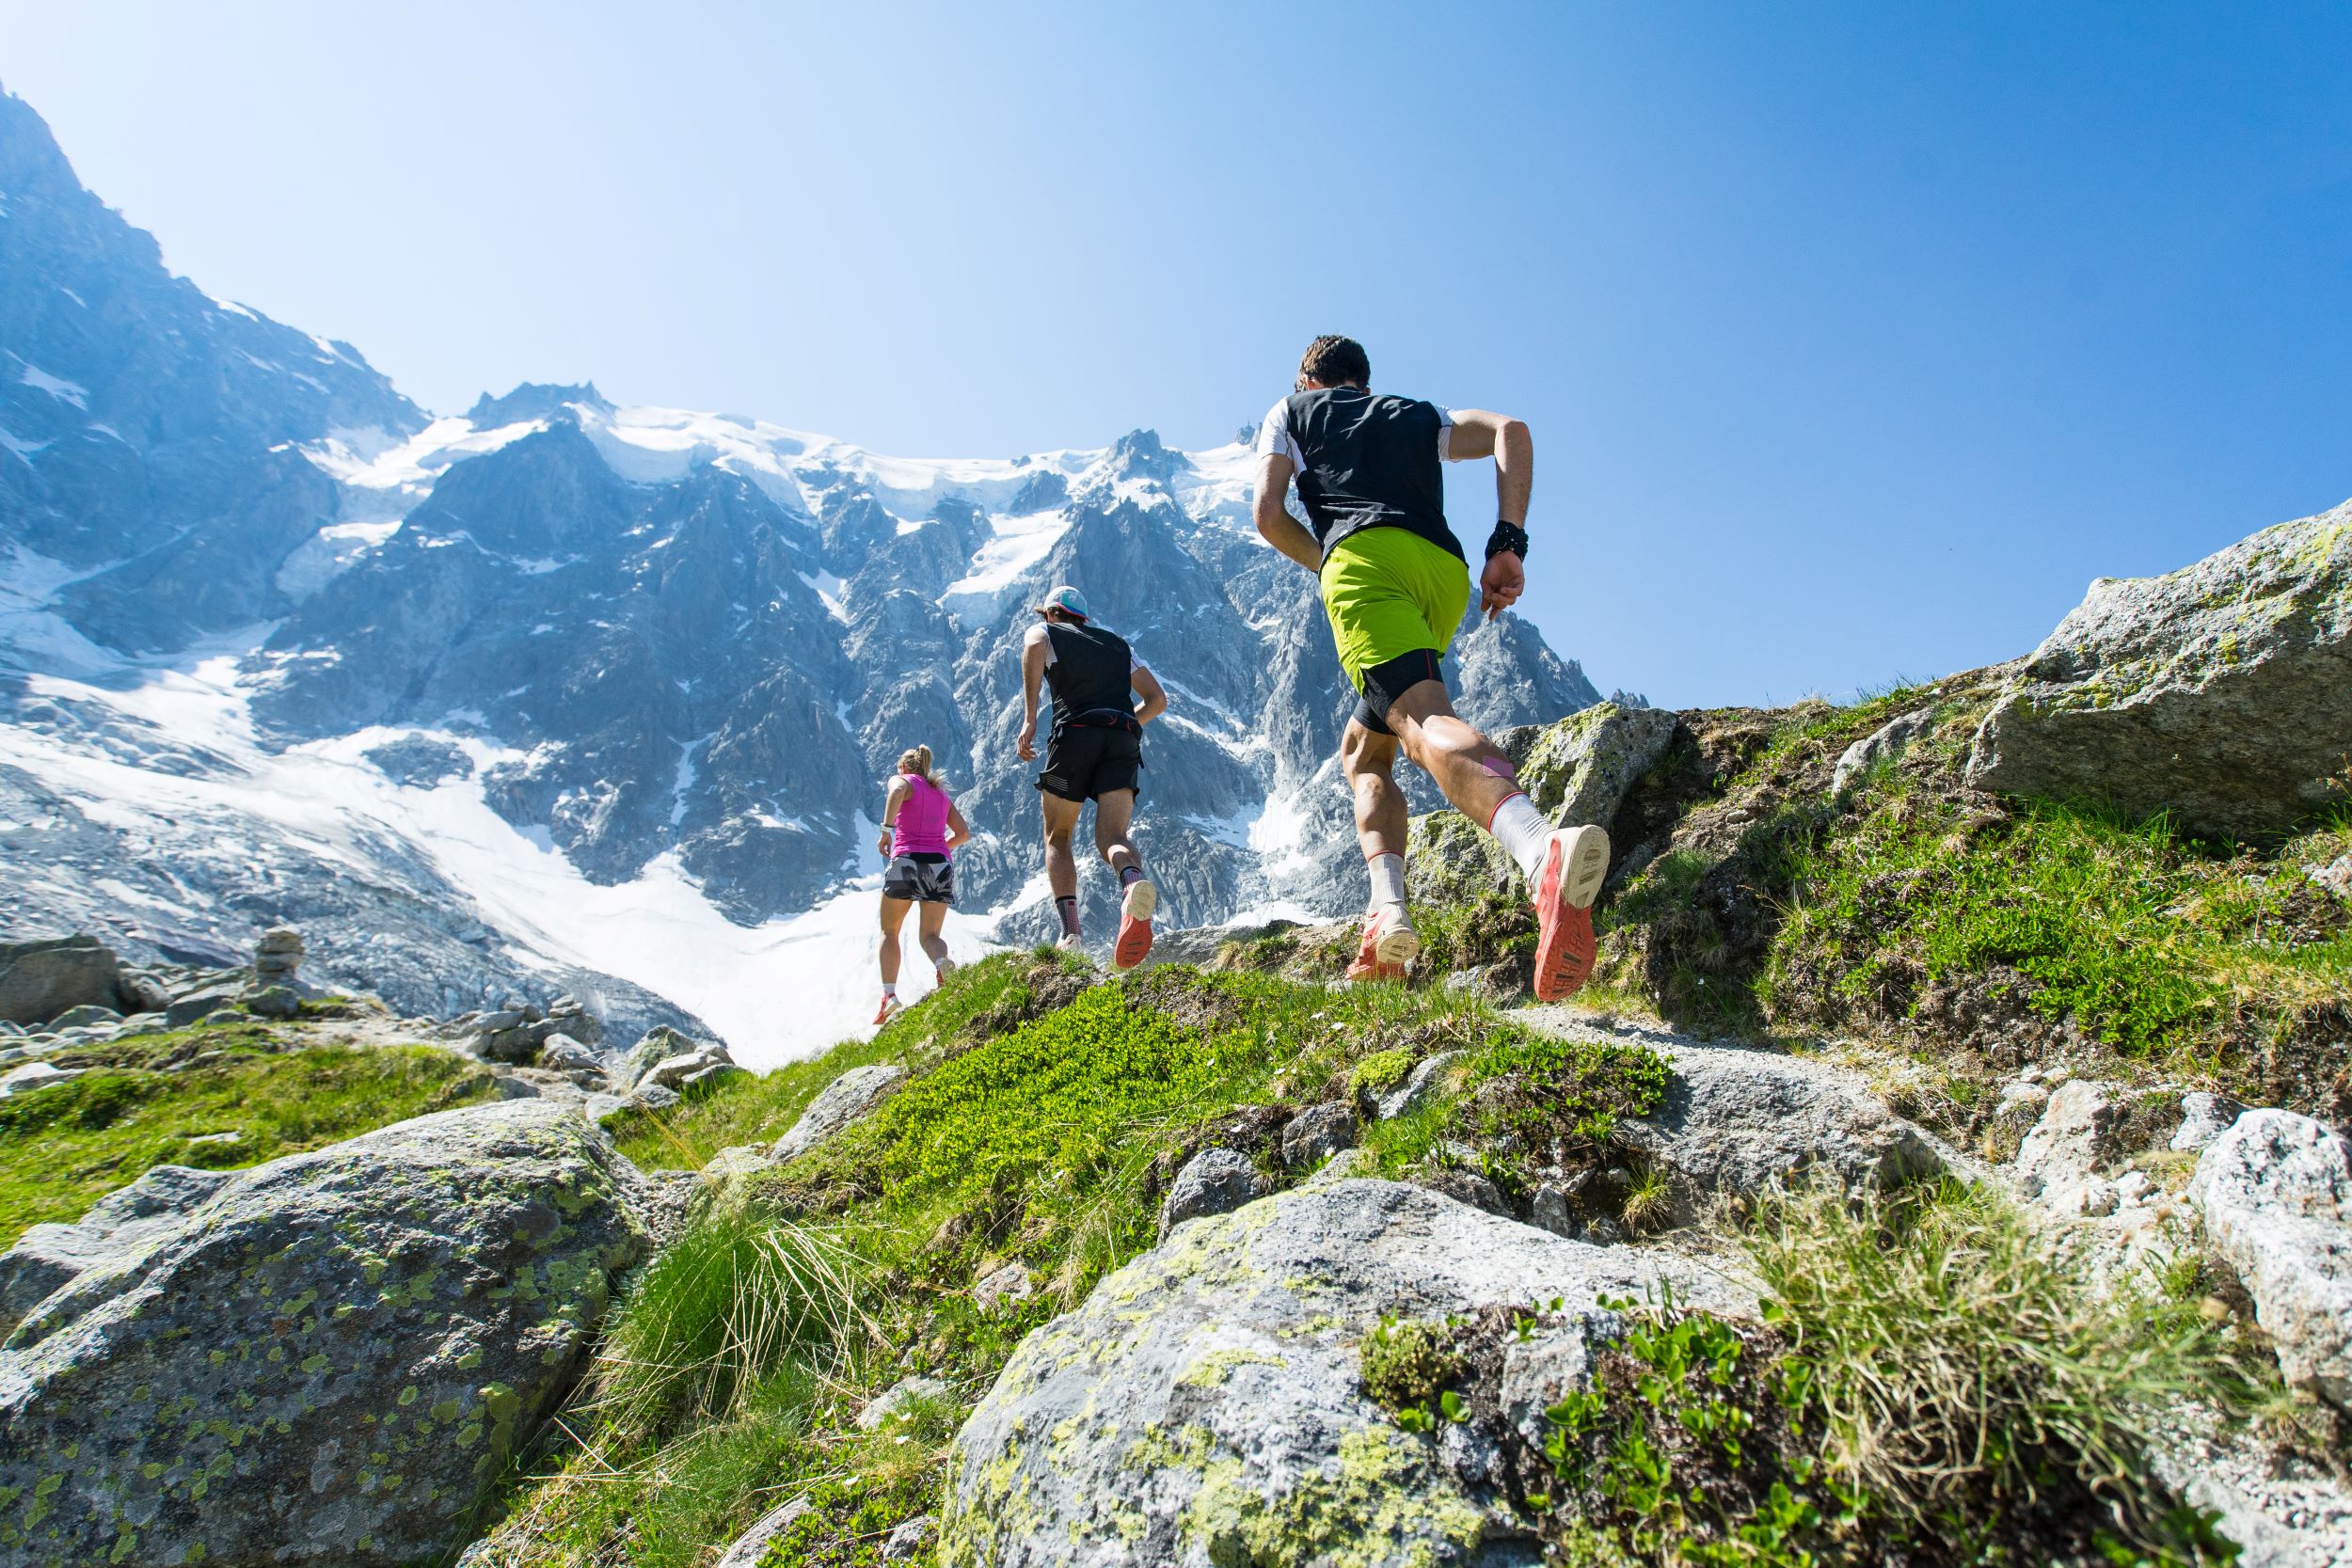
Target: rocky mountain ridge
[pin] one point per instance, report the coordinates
(676, 652)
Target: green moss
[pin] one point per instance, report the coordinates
(1407, 1365)
(1380, 1071)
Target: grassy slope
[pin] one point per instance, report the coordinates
(1046, 1112)
(143, 1102)
(1983, 933)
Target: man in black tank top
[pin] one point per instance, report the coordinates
(1093, 753)
(1394, 583)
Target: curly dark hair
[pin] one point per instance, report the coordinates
(1334, 361)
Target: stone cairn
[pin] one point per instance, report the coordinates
(276, 956)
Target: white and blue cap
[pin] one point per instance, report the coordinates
(1068, 599)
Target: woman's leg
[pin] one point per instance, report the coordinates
(893, 914)
(931, 920)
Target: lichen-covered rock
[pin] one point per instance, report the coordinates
(655, 1046)
(2220, 693)
(1008, 1285)
(47, 1257)
(837, 1104)
(1576, 772)
(2203, 1117)
(752, 1546)
(2275, 1193)
(327, 1360)
(1214, 1181)
(1205, 1406)
(1427, 1077)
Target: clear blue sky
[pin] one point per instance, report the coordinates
(1856, 338)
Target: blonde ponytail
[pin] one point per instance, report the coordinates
(917, 761)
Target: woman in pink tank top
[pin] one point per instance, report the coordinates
(920, 831)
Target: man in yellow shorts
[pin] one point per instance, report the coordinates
(1395, 584)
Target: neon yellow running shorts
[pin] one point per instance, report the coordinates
(1389, 591)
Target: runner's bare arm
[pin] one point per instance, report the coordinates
(1032, 676)
(1275, 526)
(956, 831)
(896, 798)
(1155, 700)
(1479, 433)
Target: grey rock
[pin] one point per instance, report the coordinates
(1007, 1286)
(2064, 1165)
(35, 1075)
(1318, 1133)
(1576, 772)
(672, 1072)
(2203, 1117)
(837, 1104)
(48, 1257)
(910, 1538)
(2275, 1196)
(1736, 1122)
(42, 978)
(891, 1402)
(2336, 875)
(2220, 693)
(85, 1015)
(200, 1004)
(752, 1546)
(1214, 1181)
(272, 1002)
(1210, 1391)
(302, 1302)
(1423, 1080)
(656, 1045)
(1887, 743)
(567, 1054)
(652, 1097)
(1465, 1186)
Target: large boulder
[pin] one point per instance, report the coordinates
(1205, 1406)
(2275, 1195)
(1576, 772)
(2221, 692)
(837, 1104)
(42, 978)
(327, 1360)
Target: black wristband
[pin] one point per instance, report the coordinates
(1508, 536)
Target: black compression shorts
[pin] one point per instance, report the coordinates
(1084, 763)
(1384, 681)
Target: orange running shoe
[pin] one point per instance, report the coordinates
(1135, 923)
(1576, 862)
(1389, 945)
(890, 1004)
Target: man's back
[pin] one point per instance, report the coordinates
(1365, 460)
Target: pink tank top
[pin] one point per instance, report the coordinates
(921, 826)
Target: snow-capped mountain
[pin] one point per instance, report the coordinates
(555, 688)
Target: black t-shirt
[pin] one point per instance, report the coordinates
(1365, 460)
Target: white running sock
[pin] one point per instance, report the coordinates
(1388, 880)
(890, 988)
(1523, 833)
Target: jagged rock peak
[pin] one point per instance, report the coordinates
(533, 400)
(1140, 454)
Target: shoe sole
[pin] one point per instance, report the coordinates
(1576, 863)
(1397, 948)
(1135, 910)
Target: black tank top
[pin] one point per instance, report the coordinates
(1091, 677)
(1371, 462)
